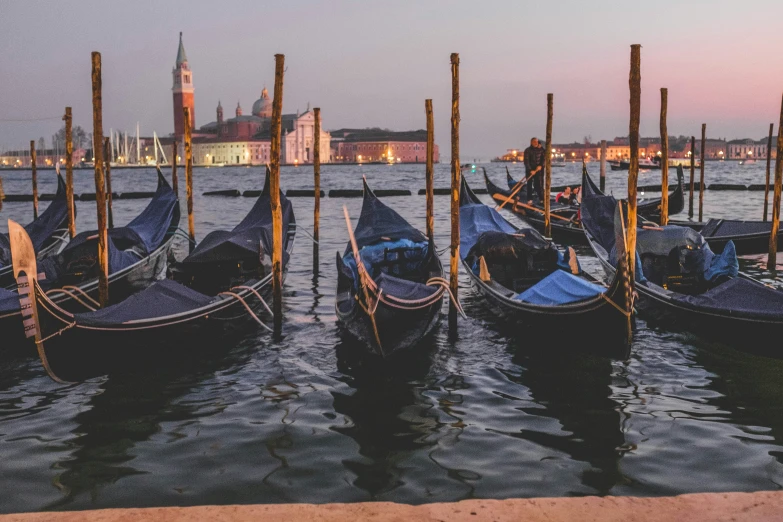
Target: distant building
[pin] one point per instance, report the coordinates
(713, 148)
(745, 149)
(43, 158)
(243, 139)
(378, 145)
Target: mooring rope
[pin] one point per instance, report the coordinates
(616, 306)
(74, 297)
(310, 236)
(247, 307)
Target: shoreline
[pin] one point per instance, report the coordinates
(697, 507)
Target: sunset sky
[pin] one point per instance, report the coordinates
(370, 63)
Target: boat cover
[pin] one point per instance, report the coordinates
(9, 301)
(250, 238)
(161, 299)
(739, 295)
(377, 223)
(715, 228)
(560, 288)
(404, 289)
(42, 228)
(474, 220)
(126, 245)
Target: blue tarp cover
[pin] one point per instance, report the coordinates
(147, 225)
(9, 301)
(739, 295)
(559, 288)
(475, 219)
(144, 234)
(377, 222)
(163, 298)
(725, 264)
(404, 289)
(249, 237)
(42, 228)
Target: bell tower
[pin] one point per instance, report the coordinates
(183, 91)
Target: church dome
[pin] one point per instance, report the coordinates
(263, 106)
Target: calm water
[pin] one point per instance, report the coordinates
(308, 419)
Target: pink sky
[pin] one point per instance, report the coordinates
(368, 63)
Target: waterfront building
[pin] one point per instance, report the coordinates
(183, 92)
(43, 158)
(244, 139)
(378, 145)
(747, 149)
(715, 149)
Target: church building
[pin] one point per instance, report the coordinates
(244, 139)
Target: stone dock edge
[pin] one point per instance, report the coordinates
(699, 507)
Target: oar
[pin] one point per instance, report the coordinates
(529, 207)
(362, 275)
(517, 188)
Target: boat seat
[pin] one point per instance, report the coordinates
(395, 262)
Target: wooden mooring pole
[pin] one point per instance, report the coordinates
(548, 166)
(274, 189)
(316, 185)
(664, 158)
(189, 179)
(635, 85)
(701, 170)
(693, 163)
(602, 181)
(107, 158)
(769, 158)
(69, 171)
(174, 180)
(456, 178)
(34, 167)
(100, 182)
(2, 194)
(773, 237)
(429, 170)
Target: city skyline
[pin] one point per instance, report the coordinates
(368, 66)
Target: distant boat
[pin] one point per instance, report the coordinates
(644, 163)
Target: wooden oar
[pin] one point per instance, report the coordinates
(517, 188)
(362, 275)
(500, 197)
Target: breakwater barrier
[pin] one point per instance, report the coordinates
(346, 193)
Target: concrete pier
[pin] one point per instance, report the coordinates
(701, 507)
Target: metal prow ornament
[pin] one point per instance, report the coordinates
(26, 274)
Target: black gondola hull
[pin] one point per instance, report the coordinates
(659, 308)
(594, 326)
(398, 329)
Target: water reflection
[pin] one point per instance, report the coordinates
(126, 410)
(576, 391)
(389, 417)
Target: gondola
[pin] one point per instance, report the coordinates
(648, 208)
(564, 218)
(165, 317)
(749, 237)
(683, 284)
(48, 233)
(137, 257)
(525, 278)
(227, 258)
(390, 282)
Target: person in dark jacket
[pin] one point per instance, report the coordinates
(534, 166)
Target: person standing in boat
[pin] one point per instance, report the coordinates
(534, 166)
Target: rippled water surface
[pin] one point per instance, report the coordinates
(309, 419)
